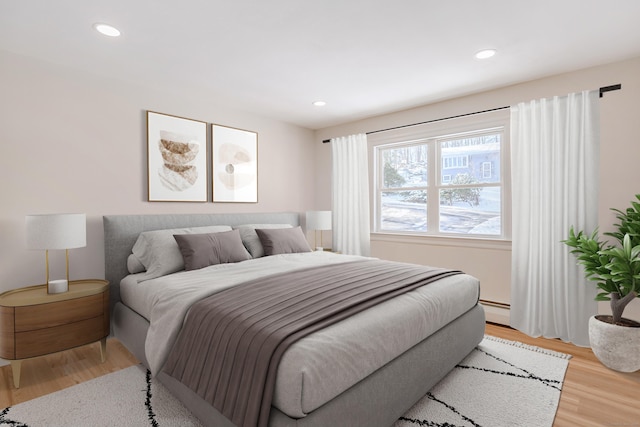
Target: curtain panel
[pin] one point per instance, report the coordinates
(554, 164)
(350, 195)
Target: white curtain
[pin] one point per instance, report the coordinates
(554, 163)
(350, 195)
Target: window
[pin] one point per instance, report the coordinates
(403, 192)
(486, 170)
(446, 184)
(452, 162)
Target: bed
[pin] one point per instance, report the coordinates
(365, 370)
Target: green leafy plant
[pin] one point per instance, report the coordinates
(391, 176)
(470, 195)
(615, 268)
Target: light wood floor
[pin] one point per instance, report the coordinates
(592, 395)
(44, 375)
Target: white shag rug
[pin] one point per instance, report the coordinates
(125, 398)
(501, 383)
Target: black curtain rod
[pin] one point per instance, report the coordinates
(609, 89)
(430, 121)
(602, 91)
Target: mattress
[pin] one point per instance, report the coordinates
(356, 347)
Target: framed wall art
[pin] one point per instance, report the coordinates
(234, 165)
(177, 158)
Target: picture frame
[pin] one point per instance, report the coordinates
(234, 165)
(177, 158)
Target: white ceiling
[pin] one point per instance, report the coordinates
(363, 57)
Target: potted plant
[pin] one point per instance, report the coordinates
(615, 268)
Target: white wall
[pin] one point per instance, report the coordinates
(619, 171)
(72, 142)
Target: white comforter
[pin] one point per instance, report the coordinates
(165, 301)
(306, 377)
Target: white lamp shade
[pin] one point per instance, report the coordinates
(56, 231)
(319, 220)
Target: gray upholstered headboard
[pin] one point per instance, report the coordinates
(121, 233)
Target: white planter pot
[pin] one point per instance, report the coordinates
(617, 347)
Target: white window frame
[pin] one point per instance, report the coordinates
(437, 131)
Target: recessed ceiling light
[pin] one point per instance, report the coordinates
(484, 54)
(319, 103)
(107, 30)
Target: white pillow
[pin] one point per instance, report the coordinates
(250, 238)
(158, 251)
(134, 265)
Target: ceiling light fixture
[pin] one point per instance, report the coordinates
(486, 53)
(106, 29)
(319, 103)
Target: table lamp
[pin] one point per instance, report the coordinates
(318, 220)
(56, 231)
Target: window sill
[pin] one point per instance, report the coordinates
(463, 242)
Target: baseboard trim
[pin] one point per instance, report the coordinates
(496, 312)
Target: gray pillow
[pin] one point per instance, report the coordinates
(158, 251)
(251, 240)
(283, 241)
(203, 250)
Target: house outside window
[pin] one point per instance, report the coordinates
(486, 170)
(453, 162)
(446, 184)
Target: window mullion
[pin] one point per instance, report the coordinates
(433, 166)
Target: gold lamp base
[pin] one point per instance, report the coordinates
(57, 286)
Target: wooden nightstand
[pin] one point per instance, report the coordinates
(34, 323)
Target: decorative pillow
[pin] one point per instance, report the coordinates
(134, 265)
(203, 250)
(251, 240)
(283, 241)
(159, 253)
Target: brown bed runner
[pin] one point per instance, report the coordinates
(231, 342)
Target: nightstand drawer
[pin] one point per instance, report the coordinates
(7, 341)
(49, 340)
(40, 316)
